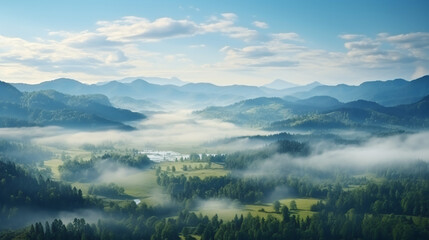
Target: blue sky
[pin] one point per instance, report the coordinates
(223, 42)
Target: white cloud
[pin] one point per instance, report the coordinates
(226, 25)
(351, 36)
(275, 53)
(260, 24)
(197, 46)
(130, 29)
(410, 40)
(286, 36)
(229, 16)
(386, 50)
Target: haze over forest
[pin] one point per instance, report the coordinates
(195, 120)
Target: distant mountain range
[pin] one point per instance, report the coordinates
(387, 93)
(321, 112)
(49, 107)
(201, 95)
(390, 103)
(191, 95)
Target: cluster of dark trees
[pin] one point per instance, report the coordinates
(21, 191)
(246, 190)
(134, 160)
(108, 190)
(19, 188)
(88, 170)
(401, 197)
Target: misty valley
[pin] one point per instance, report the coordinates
(140, 160)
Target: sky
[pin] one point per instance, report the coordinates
(222, 42)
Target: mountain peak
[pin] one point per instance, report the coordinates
(363, 104)
(156, 80)
(280, 84)
(140, 81)
(60, 83)
(64, 81)
(314, 84)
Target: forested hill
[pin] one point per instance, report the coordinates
(45, 108)
(21, 193)
(387, 93)
(320, 112)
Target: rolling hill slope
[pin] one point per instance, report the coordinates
(49, 107)
(387, 93)
(320, 112)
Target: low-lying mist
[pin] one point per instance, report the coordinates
(328, 157)
(217, 204)
(165, 131)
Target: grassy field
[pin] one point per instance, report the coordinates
(193, 235)
(303, 205)
(56, 161)
(143, 186)
(303, 210)
(54, 164)
(194, 169)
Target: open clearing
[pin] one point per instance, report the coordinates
(303, 210)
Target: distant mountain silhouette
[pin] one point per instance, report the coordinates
(201, 95)
(320, 102)
(387, 93)
(156, 80)
(191, 95)
(320, 112)
(363, 114)
(280, 84)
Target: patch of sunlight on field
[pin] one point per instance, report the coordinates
(263, 210)
(142, 185)
(194, 169)
(193, 235)
(230, 213)
(54, 164)
(301, 203)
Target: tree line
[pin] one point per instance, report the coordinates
(87, 170)
(246, 190)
